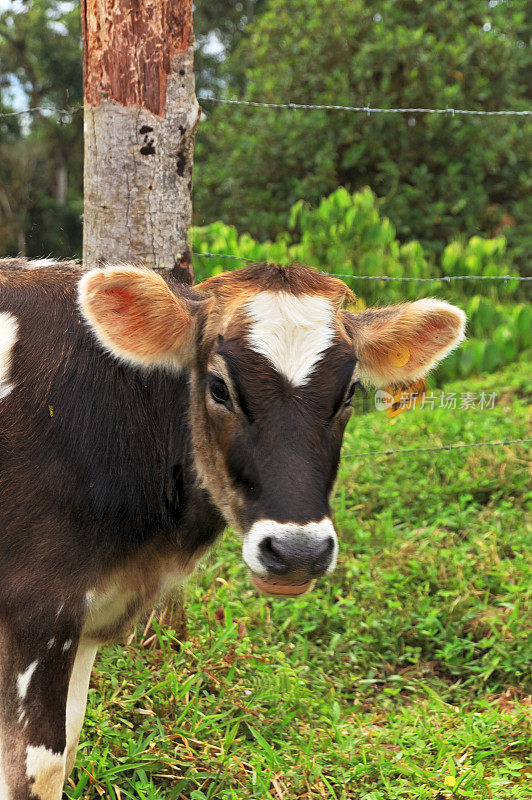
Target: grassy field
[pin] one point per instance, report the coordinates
(404, 675)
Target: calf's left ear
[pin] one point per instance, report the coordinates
(400, 344)
(136, 317)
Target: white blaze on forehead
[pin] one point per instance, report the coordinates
(46, 770)
(24, 678)
(36, 263)
(8, 337)
(291, 332)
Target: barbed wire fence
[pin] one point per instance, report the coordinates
(65, 115)
(435, 449)
(367, 109)
(60, 112)
(351, 276)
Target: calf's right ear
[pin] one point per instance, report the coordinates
(400, 344)
(136, 317)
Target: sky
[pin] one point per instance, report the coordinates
(18, 96)
(5, 4)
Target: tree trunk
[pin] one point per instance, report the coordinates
(141, 114)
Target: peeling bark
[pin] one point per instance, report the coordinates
(141, 114)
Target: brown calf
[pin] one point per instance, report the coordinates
(137, 417)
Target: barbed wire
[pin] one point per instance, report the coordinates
(222, 255)
(367, 109)
(442, 278)
(62, 112)
(435, 449)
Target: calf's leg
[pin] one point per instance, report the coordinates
(37, 653)
(77, 699)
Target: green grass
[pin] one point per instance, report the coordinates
(405, 672)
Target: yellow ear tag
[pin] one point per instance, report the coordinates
(399, 355)
(356, 305)
(404, 397)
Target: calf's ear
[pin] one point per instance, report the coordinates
(136, 317)
(400, 344)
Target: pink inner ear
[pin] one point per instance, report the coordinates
(429, 334)
(122, 296)
(431, 327)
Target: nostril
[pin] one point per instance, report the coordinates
(323, 556)
(327, 546)
(295, 553)
(271, 556)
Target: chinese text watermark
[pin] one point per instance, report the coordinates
(450, 400)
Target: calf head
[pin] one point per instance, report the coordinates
(273, 360)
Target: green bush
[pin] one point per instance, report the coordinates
(345, 235)
(440, 176)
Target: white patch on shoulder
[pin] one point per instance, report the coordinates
(292, 332)
(67, 645)
(35, 263)
(24, 678)
(8, 337)
(47, 771)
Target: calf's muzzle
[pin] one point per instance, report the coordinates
(286, 558)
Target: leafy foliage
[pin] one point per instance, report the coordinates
(41, 159)
(439, 176)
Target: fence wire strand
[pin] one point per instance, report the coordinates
(435, 449)
(442, 278)
(368, 110)
(61, 112)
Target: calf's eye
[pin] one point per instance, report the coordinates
(355, 387)
(219, 391)
(349, 395)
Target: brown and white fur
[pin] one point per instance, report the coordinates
(137, 417)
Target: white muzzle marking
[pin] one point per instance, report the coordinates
(268, 527)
